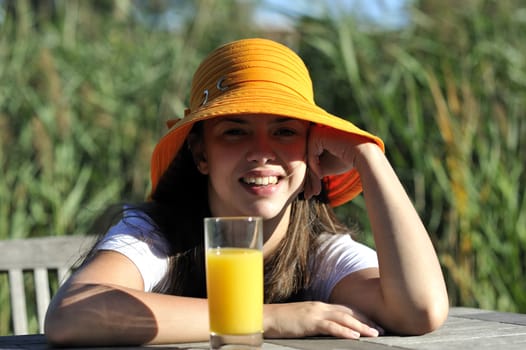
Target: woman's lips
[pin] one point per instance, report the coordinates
(261, 184)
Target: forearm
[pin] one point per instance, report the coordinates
(411, 280)
(85, 314)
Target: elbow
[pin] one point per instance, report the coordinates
(110, 318)
(418, 318)
(57, 329)
(63, 326)
(430, 320)
(427, 319)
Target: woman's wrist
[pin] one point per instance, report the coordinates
(269, 329)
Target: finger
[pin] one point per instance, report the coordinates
(314, 149)
(312, 185)
(335, 329)
(326, 156)
(358, 322)
(367, 321)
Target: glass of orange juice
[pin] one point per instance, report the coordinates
(234, 281)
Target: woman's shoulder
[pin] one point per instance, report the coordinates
(135, 226)
(337, 256)
(326, 239)
(342, 246)
(137, 237)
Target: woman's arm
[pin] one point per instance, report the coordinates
(411, 289)
(103, 303)
(407, 294)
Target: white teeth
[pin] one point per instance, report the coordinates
(261, 181)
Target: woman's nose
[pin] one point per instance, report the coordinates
(261, 149)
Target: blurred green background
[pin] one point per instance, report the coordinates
(86, 87)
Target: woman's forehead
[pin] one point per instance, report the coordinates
(254, 119)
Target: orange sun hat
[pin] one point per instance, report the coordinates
(256, 76)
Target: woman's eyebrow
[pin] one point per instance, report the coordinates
(282, 120)
(240, 120)
(232, 119)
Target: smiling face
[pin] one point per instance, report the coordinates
(256, 164)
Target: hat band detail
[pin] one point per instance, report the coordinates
(254, 76)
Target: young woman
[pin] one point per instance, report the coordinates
(254, 143)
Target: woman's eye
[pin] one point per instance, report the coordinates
(286, 132)
(234, 132)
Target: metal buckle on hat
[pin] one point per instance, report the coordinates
(219, 84)
(205, 93)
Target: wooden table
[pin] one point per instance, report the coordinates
(465, 328)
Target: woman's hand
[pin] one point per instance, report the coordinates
(296, 320)
(329, 152)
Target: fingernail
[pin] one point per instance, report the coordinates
(374, 332)
(354, 334)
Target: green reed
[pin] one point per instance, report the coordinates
(448, 96)
(84, 97)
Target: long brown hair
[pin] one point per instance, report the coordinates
(178, 207)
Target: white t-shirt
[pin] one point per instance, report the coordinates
(135, 237)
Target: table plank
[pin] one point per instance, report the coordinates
(38, 342)
(33, 342)
(326, 343)
(464, 329)
(463, 333)
(502, 317)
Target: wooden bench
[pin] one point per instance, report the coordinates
(38, 256)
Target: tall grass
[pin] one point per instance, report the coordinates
(448, 95)
(84, 96)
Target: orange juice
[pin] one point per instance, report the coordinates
(235, 290)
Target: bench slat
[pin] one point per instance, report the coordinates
(18, 301)
(38, 256)
(42, 295)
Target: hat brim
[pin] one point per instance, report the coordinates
(340, 188)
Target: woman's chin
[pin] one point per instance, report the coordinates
(266, 211)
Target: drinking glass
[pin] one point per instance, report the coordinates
(234, 281)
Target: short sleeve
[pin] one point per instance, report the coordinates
(338, 256)
(136, 237)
